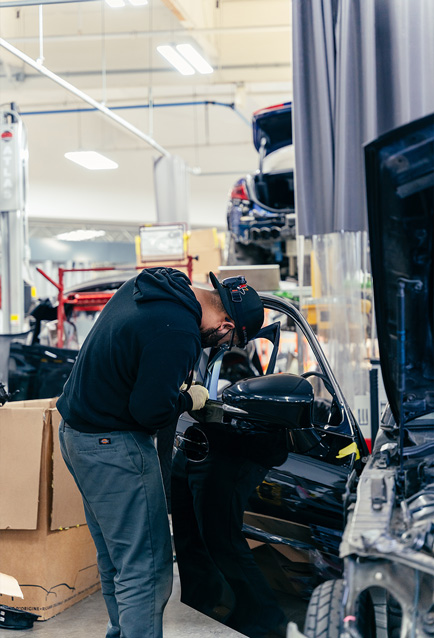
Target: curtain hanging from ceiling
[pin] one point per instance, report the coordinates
(361, 68)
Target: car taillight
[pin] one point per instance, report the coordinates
(239, 191)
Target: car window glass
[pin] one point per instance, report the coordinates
(295, 356)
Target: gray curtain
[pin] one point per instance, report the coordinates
(361, 68)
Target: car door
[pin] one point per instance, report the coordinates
(300, 502)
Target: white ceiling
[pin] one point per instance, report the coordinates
(110, 55)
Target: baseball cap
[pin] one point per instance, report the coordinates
(243, 305)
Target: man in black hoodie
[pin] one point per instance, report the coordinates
(124, 387)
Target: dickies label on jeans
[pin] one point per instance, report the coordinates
(104, 441)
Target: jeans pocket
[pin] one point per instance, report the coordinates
(134, 451)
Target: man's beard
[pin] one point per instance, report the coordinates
(210, 338)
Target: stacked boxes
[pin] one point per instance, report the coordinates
(44, 541)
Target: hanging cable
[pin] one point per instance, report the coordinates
(41, 58)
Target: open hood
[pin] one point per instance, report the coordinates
(275, 125)
(400, 196)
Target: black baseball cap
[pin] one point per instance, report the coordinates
(243, 305)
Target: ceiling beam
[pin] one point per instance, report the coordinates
(125, 35)
(29, 3)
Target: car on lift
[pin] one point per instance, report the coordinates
(260, 214)
(388, 544)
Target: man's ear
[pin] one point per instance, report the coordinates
(227, 324)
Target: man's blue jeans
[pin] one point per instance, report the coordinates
(119, 477)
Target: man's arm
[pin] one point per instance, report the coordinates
(156, 400)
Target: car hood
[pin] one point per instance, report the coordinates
(400, 197)
(275, 124)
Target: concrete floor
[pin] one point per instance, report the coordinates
(88, 619)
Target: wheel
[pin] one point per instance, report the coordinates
(394, 618)
(325, 610)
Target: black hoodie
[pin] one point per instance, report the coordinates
(139, 352)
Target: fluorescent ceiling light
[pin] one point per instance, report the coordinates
(92, 160)
(81, 235)
(121, 3)
(194, 57)
(175, 59)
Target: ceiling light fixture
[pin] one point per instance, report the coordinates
(175, 59)
(194, 57)
(115, 4)
(81, 235)
(92, 160)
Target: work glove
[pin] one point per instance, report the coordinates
(199, 395)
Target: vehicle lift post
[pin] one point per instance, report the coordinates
(13, 222)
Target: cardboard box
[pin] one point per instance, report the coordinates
(44, 541)
(202, 244)
(263, 278)
(205, 245)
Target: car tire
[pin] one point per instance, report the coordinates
(394, 618)
(324, 612)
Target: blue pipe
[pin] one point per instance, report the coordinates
(229, 105)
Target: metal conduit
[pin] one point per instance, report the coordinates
(83, 96)
(229, 105)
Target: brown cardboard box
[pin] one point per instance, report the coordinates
(263, 278)
(204, 246)
(44, 541)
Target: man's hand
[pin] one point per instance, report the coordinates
(199, 395)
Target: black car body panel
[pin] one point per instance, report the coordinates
(388, 547)
(37, 371)
(400, 182)
(274, 124)
(260, 213)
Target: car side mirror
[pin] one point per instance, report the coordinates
(277, 399)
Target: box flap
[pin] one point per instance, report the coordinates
(34, 403)
(21, 432)
(9, 586)
(67, 509)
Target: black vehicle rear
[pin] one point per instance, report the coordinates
(261, 216)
